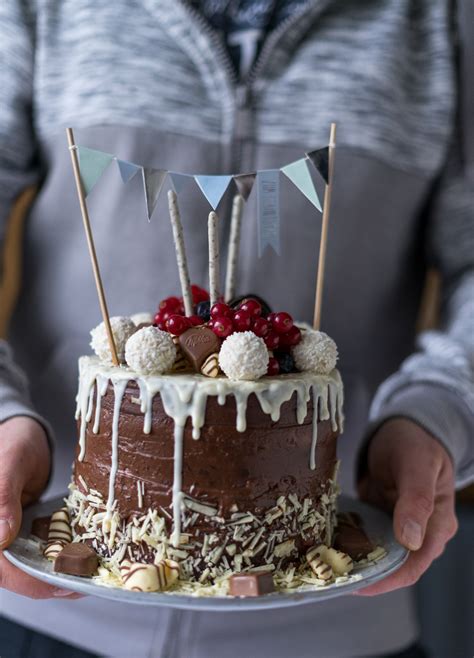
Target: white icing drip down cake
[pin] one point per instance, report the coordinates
(206, 460)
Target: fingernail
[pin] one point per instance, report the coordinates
(4, 531)
(62, 592)
(412, 535)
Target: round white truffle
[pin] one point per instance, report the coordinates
(122, 329)
(150, 351)
(244, 355)
(142, 318)
(316, 352)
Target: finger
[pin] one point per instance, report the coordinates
(10, 507)
(19, 582)
(441, 528)
(416, 485)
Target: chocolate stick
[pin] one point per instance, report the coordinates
(90, 244)
(178, 237)
(324, 231)
(234, 242)
(213, 238)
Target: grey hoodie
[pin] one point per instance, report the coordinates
(151, 83)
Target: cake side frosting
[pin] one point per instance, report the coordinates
(279, 407)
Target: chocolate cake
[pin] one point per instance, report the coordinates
(215, 474)
(205, 454)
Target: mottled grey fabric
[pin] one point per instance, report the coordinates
(146, 81)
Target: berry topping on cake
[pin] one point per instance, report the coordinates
(178, 324)
(122, 329)
(316, 352)
(273, 367)
(244, 355)
(150, 351)
(286, 362)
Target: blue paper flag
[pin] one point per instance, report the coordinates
(153, 180)
(213, 187)
(92, 165)
(179, 181)
(127, 170)
(299, 175)
(268, 208)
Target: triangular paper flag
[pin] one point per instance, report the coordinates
(268, 210)
(299, 175)
(320, 159)
(153, 180)
(244, 183)
(213, 187)
(179, 181)
(127, 170)
(92, 165)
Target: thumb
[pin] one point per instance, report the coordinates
(10, 507)
(416, 486)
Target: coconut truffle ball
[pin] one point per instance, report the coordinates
(244, 355)
(142, 318)
(122, 329)
(316, 352)
(150, 351)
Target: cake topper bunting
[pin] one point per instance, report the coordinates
(324, 230)
(90, 243)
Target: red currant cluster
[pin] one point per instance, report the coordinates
(170, 315)
(276, 329)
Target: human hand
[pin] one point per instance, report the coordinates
(410, 474)
(25, 462)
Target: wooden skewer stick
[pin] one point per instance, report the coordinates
(178, 237)
(213, 237)
(90, 244)
(234, 242)
(324, 231)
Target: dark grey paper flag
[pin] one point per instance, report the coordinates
(320, 159)
(179, 181)
(92, 165)
(153, 180)
(127, 170)
(268, 209)
(244, 183)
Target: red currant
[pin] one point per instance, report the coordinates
(199, 294)
(282, 322)
(261, 327)
(273, 367)
(170, 304)
(272, 340)
(291, 337)
(270, 317)
(178, 324)
(196, 320)
(253, 308)
(221, 310)
(242, 321)
(222, 327)
(158, 322)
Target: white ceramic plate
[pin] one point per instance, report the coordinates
(26, 555)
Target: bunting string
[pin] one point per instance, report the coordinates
(93, 163)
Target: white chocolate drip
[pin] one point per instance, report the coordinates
(184, 396)
(101, 384)
(119, 390)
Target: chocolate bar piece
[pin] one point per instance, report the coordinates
(197, 344)
(353, 541)
(349, 518)
(77, 559)
(251, 584)
(40, 527)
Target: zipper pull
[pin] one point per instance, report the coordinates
(244, 113)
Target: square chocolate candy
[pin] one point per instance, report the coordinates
(251, 584)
